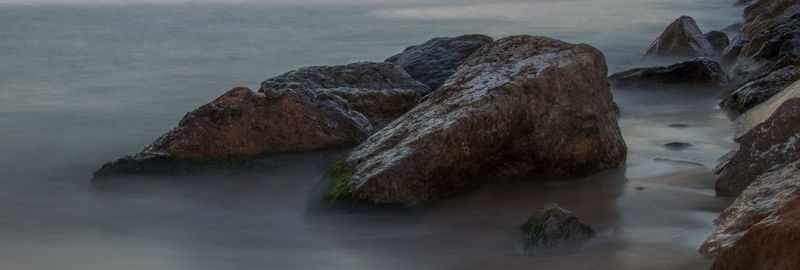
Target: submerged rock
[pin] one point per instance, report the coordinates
(551, 227)
(435, 60)
(761, 89)
(769, 138)
(677, 145)
(699, 72)
(682, 38)
(521, 106)
(761, 229)
(305, 109)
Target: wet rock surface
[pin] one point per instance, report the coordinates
(699, 72)
(761, 229)
(766, 195)
(306, 109)
(769, 138)
(435, 60)
(521, 106)
(757, 91)
(682, 38)
(551, 227)
(768, 41)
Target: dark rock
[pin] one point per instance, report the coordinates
(435, 60)
(678, 125)
(551, 227)
(761, 229)
(698, 72)
(768, 41)
(521, 106)
(305, 109)
(682, 38)
(761, 89)
(768, 140)
(718, 40)
(677, 145)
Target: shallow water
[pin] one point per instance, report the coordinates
(84, 82)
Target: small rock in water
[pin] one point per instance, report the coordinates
(678, 125)
(551, 227)
(677, 145)
(639, 188)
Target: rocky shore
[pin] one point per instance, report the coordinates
(454, 113)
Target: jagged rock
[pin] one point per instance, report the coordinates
(699, 72)
(309, 108)
(718, 40)
(761, 89)
(435, 60)
(768, 139)
(551, 227)
(768, 41)
(682, 38)
(521, 106)
(761, 229)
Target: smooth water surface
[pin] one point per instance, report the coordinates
(84, 82)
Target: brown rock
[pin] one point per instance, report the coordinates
(768, 139)
(521, 106)
(682, 38)
(761, 230)
(768, 193)
(305, 109)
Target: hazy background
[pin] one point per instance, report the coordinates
(85, 82)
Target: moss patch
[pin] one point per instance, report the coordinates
(339, 174)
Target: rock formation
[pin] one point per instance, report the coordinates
(761, 229)
(305, 109)
(761, 89)
(768, 139)
(682, 38)
(551, 227)
(521, 106)
(435, 60)
(768, 41)
(699, 72)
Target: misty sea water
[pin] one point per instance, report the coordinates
(84, 82)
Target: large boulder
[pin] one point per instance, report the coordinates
(700, 72)
(761, 229)
(682, 38)
(309, 108)
(768, 41)
(761, 89)
(768, 139)
(551, 227)
(521, 106)
(436, 59)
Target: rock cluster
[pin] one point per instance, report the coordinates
(305, 109)
(521, 106)
(769, 138)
